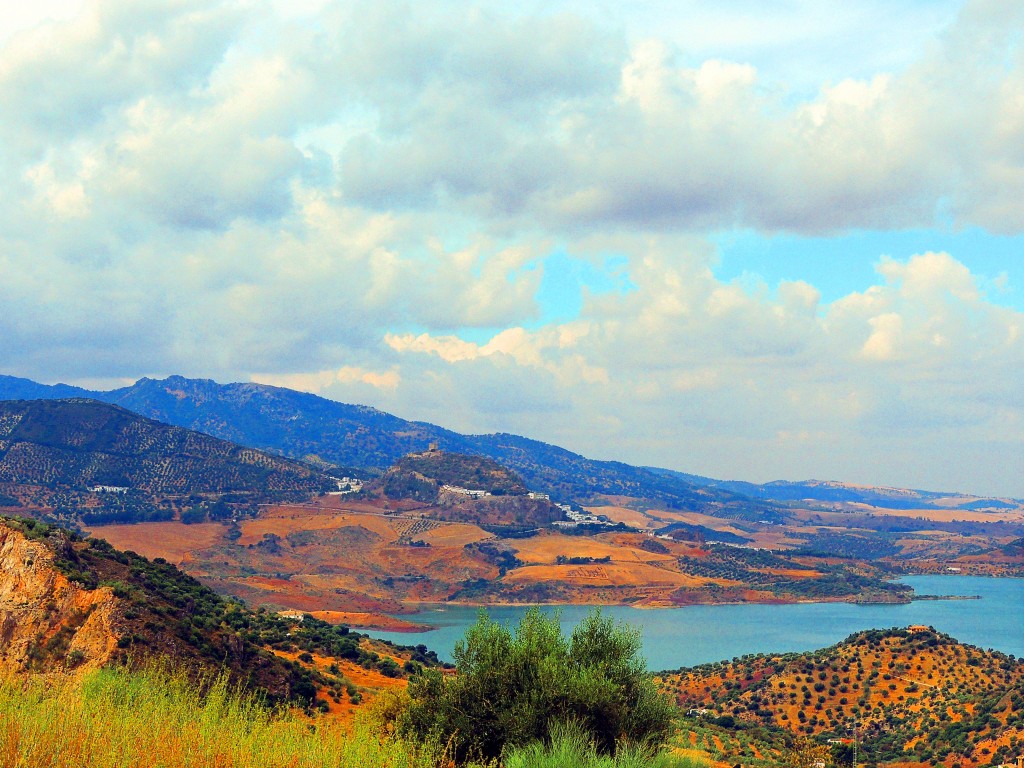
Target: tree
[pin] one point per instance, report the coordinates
(805, 753)
(842, 755)
(512, 689)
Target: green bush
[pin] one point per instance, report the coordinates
(511, 689)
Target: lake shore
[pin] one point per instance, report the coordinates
(376, 621)
(979, 610)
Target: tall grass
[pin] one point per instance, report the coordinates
(570, 747)
(156, 717)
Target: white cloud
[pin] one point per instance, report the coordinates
(349, 376)
(920, 359)
(335, 195)
(451, 349)
(189, 114)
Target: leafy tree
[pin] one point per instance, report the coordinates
(805, 753)
(842, 755)
(513, 688)
(196, 514)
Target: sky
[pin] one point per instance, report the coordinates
(739, 239)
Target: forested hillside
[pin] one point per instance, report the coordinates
(82, 458)
(912, 695)
(304, 426)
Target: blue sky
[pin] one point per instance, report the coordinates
(745, 240)
(840, 265)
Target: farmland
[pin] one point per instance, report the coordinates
(362, 559)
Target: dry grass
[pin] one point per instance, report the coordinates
(282, 521)
(117, 719)
(155, 718)
(456, 535)
(605, 574)
(620, 548)
(370, 684)
(624, 515)
(172, 541)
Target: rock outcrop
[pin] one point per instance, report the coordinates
(47, 622)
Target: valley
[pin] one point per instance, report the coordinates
(283, 548)
(362, 558)
(906, 697)
(438, 526)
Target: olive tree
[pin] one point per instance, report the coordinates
(511, 688)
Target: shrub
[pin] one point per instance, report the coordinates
(512, 689)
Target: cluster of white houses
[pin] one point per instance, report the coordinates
(476, 493)
(473, 493)
(575, 517)
(579, 518)
(109, 489)
(352, 485)
(346, 485)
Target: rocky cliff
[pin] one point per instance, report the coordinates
(48, 622)
(69, 604)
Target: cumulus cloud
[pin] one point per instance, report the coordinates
(709, 372)
(676, 145)
(194, 114)
(360, 200)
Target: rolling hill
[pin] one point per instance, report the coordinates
(304, 426)
(83, 458)
(914, 695)
(906, 530)
(69, 605)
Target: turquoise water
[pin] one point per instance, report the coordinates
(682, 637)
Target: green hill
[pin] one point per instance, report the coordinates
(302, 425)
(427, 472)
(54, 455)
(915, 696)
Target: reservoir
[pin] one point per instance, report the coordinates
(683, 637)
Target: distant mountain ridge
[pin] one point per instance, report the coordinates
(305, 426)
(835, 491)
(14, 388)
(90, 462)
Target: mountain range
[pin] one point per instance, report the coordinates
(100, 462)
(304, 426)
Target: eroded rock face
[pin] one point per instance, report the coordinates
(48, 623)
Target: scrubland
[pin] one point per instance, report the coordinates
(157, 717)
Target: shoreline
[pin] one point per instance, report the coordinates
(712, 633)
(395, 623)
(360, 620)
(400, 625)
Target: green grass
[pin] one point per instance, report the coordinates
(157, 717)
(570, 748)
(114, 718)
